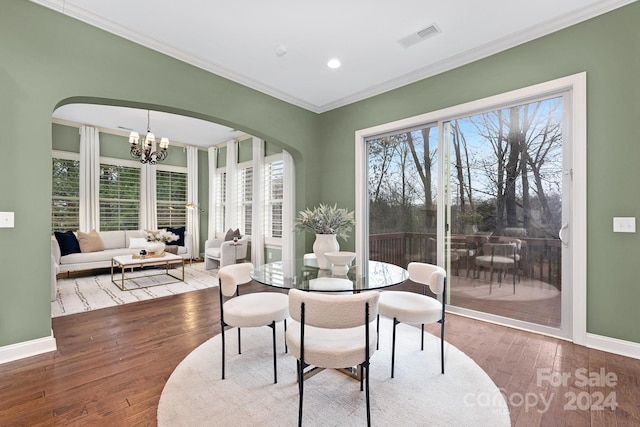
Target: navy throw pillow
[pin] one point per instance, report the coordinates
(68, 243)
(178, 232)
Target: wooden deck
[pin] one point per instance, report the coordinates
(539, 310)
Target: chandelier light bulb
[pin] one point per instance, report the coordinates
(134, 138)
(150, 139)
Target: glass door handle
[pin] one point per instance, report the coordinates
(561, 234)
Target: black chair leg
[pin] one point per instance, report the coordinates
(442, 345)
(300, 391)
(275, 359)
(393, 346)
(223, 351)
(367, 398)
(239, 350)
(286, 349)
(378, 332)
(422, 338)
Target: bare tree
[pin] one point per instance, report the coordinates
(504, 160)
(423, 167)
(381, 154)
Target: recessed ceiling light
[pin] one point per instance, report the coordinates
(334, 63)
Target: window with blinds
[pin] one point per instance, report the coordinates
(171, 198)
(221, 197)
(245, 199)
(274, 189)
(119, 197)
(65, 200)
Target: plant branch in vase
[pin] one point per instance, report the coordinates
(328, 223)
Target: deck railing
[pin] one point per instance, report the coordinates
(540, 259)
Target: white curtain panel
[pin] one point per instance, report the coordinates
(89, 179)
(288, 208)
(148, 201)
(213, 163)
(193, 215)
(231, 209)
(257, 220)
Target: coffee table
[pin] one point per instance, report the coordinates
(141, 281)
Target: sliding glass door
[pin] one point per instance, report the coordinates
(485, 190)
(504, 190)
(402, 182)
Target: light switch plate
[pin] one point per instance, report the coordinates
(6, 219)
(624, 224)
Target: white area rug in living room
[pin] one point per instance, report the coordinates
(91, 292)
(419, 395)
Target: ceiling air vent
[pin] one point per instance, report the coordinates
(419, 36)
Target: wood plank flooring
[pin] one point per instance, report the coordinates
(112, 364)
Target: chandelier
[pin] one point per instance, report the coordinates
(142, 149)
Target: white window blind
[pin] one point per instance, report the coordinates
(65, 200)
(119, 197)
(221, 191)
(171, 198)
(245, 199)
(274, 188)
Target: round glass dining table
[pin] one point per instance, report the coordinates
(296, 274)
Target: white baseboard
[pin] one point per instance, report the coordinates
(21, 350)
(597, 342)
(614, 345)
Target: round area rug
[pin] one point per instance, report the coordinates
(418, 395)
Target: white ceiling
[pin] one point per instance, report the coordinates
(179, 129)
(238, 39)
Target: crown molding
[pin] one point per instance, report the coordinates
(459, 60)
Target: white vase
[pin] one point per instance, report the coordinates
(156, 247)
(325, 243)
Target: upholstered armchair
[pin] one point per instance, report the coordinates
(221, 252)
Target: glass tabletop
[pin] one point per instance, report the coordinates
(295, 274)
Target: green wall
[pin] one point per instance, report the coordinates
(607, 49)
(48, 60)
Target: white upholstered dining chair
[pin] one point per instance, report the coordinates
(414, 308)
(249, 310)
(332, 331)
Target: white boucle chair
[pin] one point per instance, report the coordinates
(249, 310)
(332, 331)
(410, 307)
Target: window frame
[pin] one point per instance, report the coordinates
(70, 156)
(242, 204)
(269, 201)
(576, 88)
(221, 201)
(119, 163)
(177, 204)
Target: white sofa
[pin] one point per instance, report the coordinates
(115, 243)
(221, 252)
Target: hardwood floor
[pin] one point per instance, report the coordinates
(111, 366)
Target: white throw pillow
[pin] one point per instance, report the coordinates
(138, 243)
